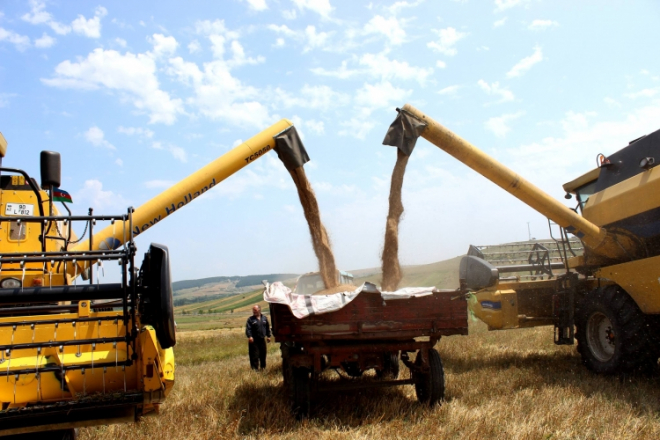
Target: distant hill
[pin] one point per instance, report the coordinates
(236, 281)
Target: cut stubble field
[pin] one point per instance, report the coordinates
(513, 384)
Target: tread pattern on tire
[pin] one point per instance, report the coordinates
(430, 387)
(632, 342)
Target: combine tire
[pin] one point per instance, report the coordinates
(390, 369)
(430, 386)
(301, 392)
(611, 332)
(158, 306)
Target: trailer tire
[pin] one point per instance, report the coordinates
(430, 386)
(301, 392)
(390, 366)
(612, 332)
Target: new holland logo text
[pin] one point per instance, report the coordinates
(187, 198)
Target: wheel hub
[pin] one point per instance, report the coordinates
(601, 337)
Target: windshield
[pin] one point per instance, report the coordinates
(584, 192)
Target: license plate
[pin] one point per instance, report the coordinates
(19, 209)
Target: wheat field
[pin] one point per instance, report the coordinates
(513, 384)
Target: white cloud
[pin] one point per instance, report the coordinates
(502, 5)
(194, 47)
(611, 102)
(378, 66)
(500, 125)
(96, 137)
(177, 152)
(219, 95)
(380, 95)
(136, 131)
(315, 39)
(120, 42)
(315, 126)
(449, 90)
(92, 194)
(159, 184)
(500, 23)
(279, 42)
(257, 5)
(163, 45)
(321, 7)
(133, 75)
(312, 97)
(448, 39)
(357, 127)
(389, 27)
(397, 7)
(44, 42)
(541, 25)
(496, 90)
(38, 15)
(289, 14)
(441, 64)
(645, 93)
(21, 42)
(526, 63)
(90, 28)
(119, 162)
(4, 99)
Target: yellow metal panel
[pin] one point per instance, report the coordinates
(633, 196)
(641, 279)
(582, 180)
(505, 313)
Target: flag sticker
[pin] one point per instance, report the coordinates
(59, 195)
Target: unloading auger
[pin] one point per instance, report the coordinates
(75, 353)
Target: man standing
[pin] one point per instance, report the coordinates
(258, 332)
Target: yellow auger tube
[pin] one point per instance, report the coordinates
(182, 193)
(595, 238)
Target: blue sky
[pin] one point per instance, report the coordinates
(138, 95)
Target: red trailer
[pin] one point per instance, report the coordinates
(368, 333)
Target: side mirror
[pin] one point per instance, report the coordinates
(51, 169)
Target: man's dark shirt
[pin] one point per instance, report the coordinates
(257, 327)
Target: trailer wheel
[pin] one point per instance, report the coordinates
(611, 332)
(301, 392)
(430, 386)
(390, 366)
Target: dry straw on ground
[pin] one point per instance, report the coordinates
(512, 384)
(320, 239)
(391, 268)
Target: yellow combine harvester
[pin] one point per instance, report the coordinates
(608, 298)
(77, 352)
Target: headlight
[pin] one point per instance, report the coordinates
(10, 283)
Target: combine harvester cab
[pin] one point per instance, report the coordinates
(72, 352)
(608, 298)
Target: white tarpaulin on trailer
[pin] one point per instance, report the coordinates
(305, 305)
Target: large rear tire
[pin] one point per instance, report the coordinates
(611, 332)
(430, 386)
